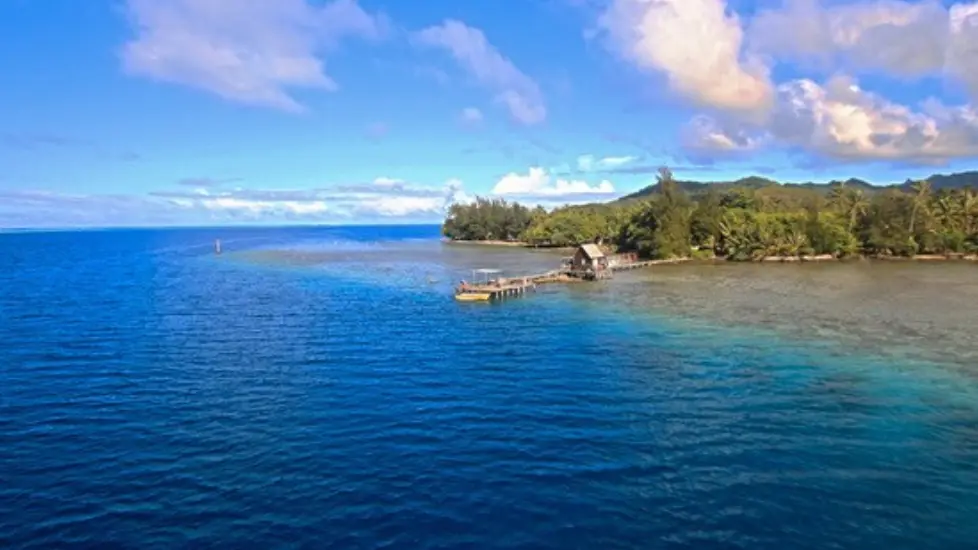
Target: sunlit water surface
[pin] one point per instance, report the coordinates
(319, 388)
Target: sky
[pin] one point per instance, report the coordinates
(211, 112)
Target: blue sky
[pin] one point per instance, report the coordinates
(157, 112)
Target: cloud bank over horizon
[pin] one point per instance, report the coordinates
(207, 200)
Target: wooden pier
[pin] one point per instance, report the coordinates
(589, 264)
(509, 287)
(493, 291)
(635, 265)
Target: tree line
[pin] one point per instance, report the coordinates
(742, 223)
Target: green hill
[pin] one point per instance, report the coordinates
(752, 218)
(938, 181)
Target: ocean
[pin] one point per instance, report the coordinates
(320, 388)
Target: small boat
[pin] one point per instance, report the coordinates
(473, 293)
(473, 296)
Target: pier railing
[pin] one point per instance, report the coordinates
(514, 286)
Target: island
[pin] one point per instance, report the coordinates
(751, 219)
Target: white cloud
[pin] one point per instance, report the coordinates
(696, 44)
(456, 193)
(401, 206)
(707, 57)
(258, 208)
(539, 184)
(588, 163)
(383, 197)
(384, 181)
(614, 162)
(250, 52)
(840, 120)
(705, 138)
(870, 35)
(898, 37)
(473, 52)
(962, 54)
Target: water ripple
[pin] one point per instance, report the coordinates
(154, 397)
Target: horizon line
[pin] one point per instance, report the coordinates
(81, 228)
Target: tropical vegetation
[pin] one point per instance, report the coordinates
(490, 220)
(748, 220)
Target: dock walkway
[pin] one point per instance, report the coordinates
(500, 289)
(635, 265)
(497, 289)
(510, 287)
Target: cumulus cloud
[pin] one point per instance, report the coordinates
(709, 137)
(706, 140)
(696, 44)
(962, 54)
(251, 52)
(866, 35)
(896, 37)
(539, 184)
(723, 63)
(841, 121)
(476, 55)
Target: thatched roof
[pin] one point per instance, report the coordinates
(592, 251)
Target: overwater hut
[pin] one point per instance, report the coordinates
(589, 260)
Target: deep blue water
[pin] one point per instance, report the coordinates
(154, 395)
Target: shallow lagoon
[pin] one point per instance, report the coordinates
(319, 387)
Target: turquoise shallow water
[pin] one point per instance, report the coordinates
(319, 388)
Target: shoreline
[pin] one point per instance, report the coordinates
(515, 244)
(766, 259)
(505, 244)
(829, 258)
(928, 258)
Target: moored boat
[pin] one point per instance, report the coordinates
(473, 296)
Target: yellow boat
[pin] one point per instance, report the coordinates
(472, 293)
(473, 296)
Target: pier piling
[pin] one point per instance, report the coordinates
(500, 288)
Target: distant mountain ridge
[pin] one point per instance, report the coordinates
(938, 181)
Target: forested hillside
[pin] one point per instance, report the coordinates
(748, 219)
(938, 182)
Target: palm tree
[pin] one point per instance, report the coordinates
(921, 195)
(856, 205)
(837, 195)
(947, 211)
(850, 202)
(968, 209)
